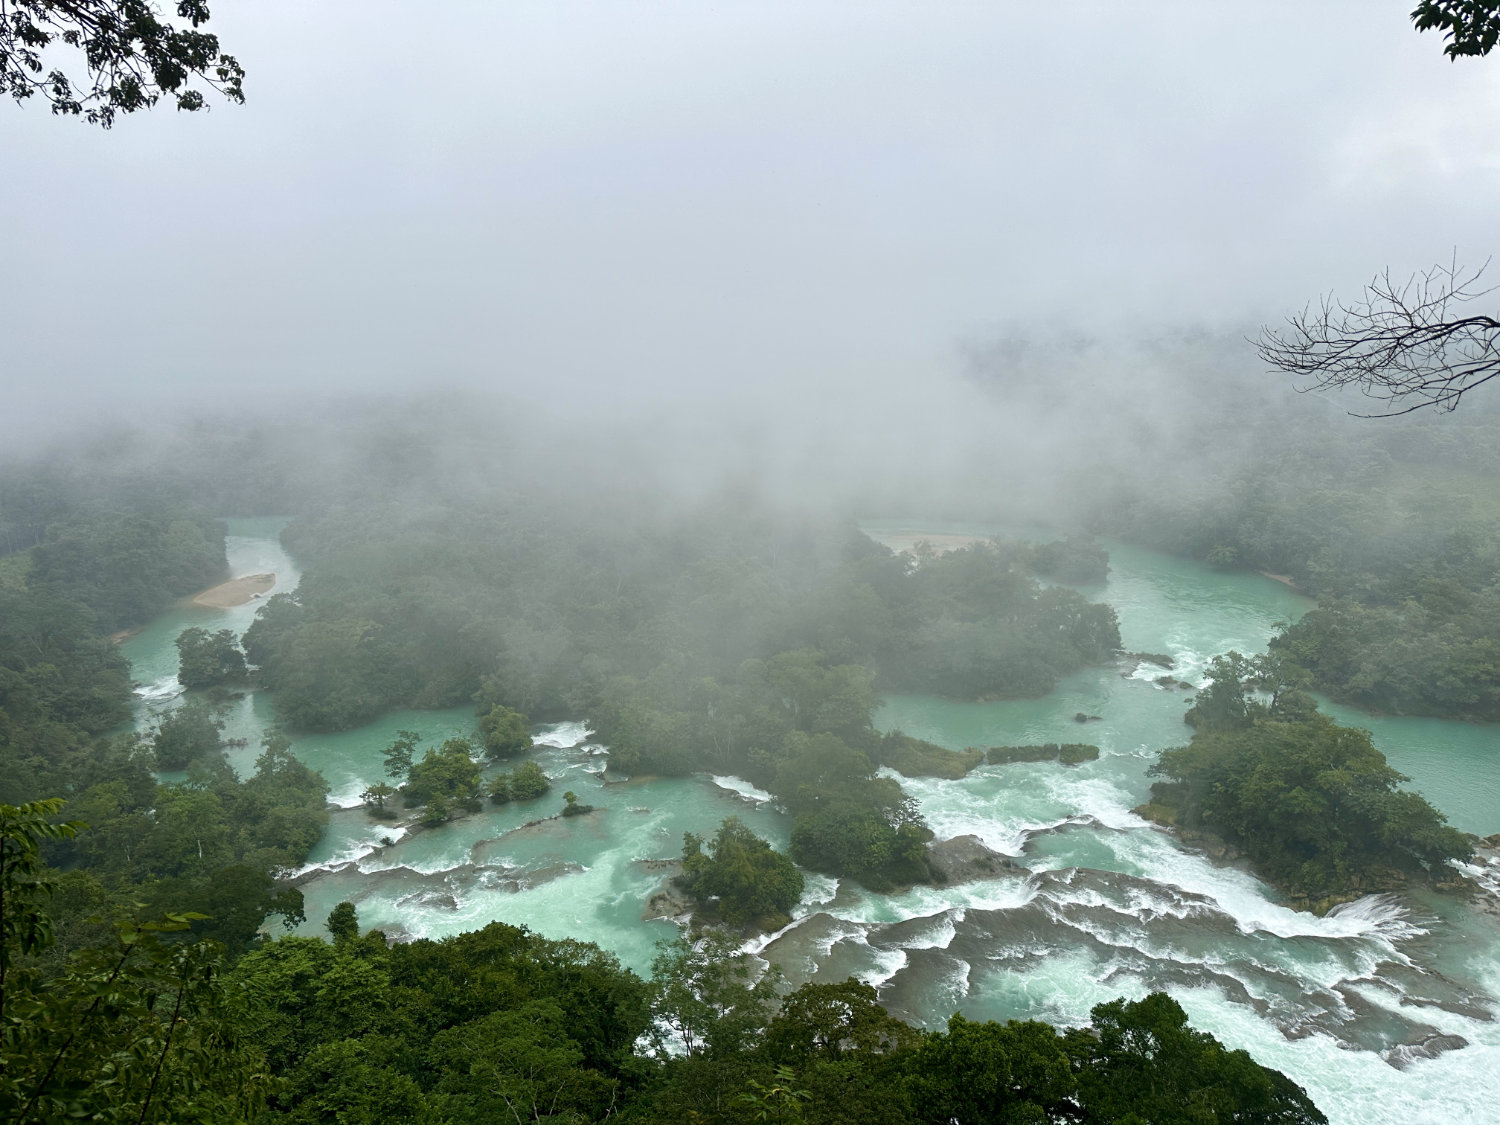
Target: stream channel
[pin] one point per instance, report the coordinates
(1387, 1010)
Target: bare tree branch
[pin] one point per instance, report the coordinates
(1408, 345)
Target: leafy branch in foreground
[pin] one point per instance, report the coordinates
(1472, 26)
(131, 57)
(1408, 345)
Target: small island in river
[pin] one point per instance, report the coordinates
(237, 591)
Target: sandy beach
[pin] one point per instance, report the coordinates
(237, 591)
(1286, 580)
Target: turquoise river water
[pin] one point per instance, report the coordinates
(1385, 1009)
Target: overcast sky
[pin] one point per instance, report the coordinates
(599, 202)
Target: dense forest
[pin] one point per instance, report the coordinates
(1313, 804)
(1395, 530)
(731, 633)
(500, 1023)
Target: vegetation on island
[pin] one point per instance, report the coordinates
(1312, 804)
(731, 638)
(1068, 753)
(572, 806)
(504, 732)
(740, 878)
(209, 659)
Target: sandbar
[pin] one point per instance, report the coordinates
(237, 591)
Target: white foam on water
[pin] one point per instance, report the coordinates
(349, 797)
(742, 788)
(888, 962)
(563, 736)
(754, 946)
(1360, 1087)
(925, 900)
(937, 936)
(1095, 797)
(159, 691)
(817, 891)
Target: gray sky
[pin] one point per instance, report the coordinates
(615, 202)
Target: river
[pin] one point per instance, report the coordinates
(1385, 1009)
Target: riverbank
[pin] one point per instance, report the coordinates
(1286, 580)
(237, 591)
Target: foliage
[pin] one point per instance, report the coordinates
(207, 659)
(1143, 1062)
(131, 1029)
(343, 922)
(1471, 27)
(749, 879)
(188, 733)
(446, 774)
(131, 57)
(1068, 753)
(572, 807)
(378, 794)
(1394, 531)
(1313, 804)
(1074, 559)
(399, 754)
(911, 757)
(504, 732)
(127, 567)
(528, 782)
(502, 1024)
(482, 1026)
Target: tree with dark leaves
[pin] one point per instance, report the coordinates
(131, 57)
(1472, 27)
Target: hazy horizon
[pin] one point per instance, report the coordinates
(608, 209)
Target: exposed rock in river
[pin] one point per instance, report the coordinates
(964, 859)
(667, 900)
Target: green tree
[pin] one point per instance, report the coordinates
(133, 1029)
(749, 879)
(706, 999)
(343, 922)
(778, 1101)
(189, 732)
(1313, 803)
(206, 659)
(131, 57)
(399, 754)
(378, 794)
(1143, 1062)
(505, 733)
(528, 782)
(448, 772)
(832, 1021)
(1471, 27)
(437, 810)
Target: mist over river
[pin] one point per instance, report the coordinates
(1385, 1009)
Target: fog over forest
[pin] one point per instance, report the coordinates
(687, 561)
(604, 207)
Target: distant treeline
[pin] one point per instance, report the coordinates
(1395, 528)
